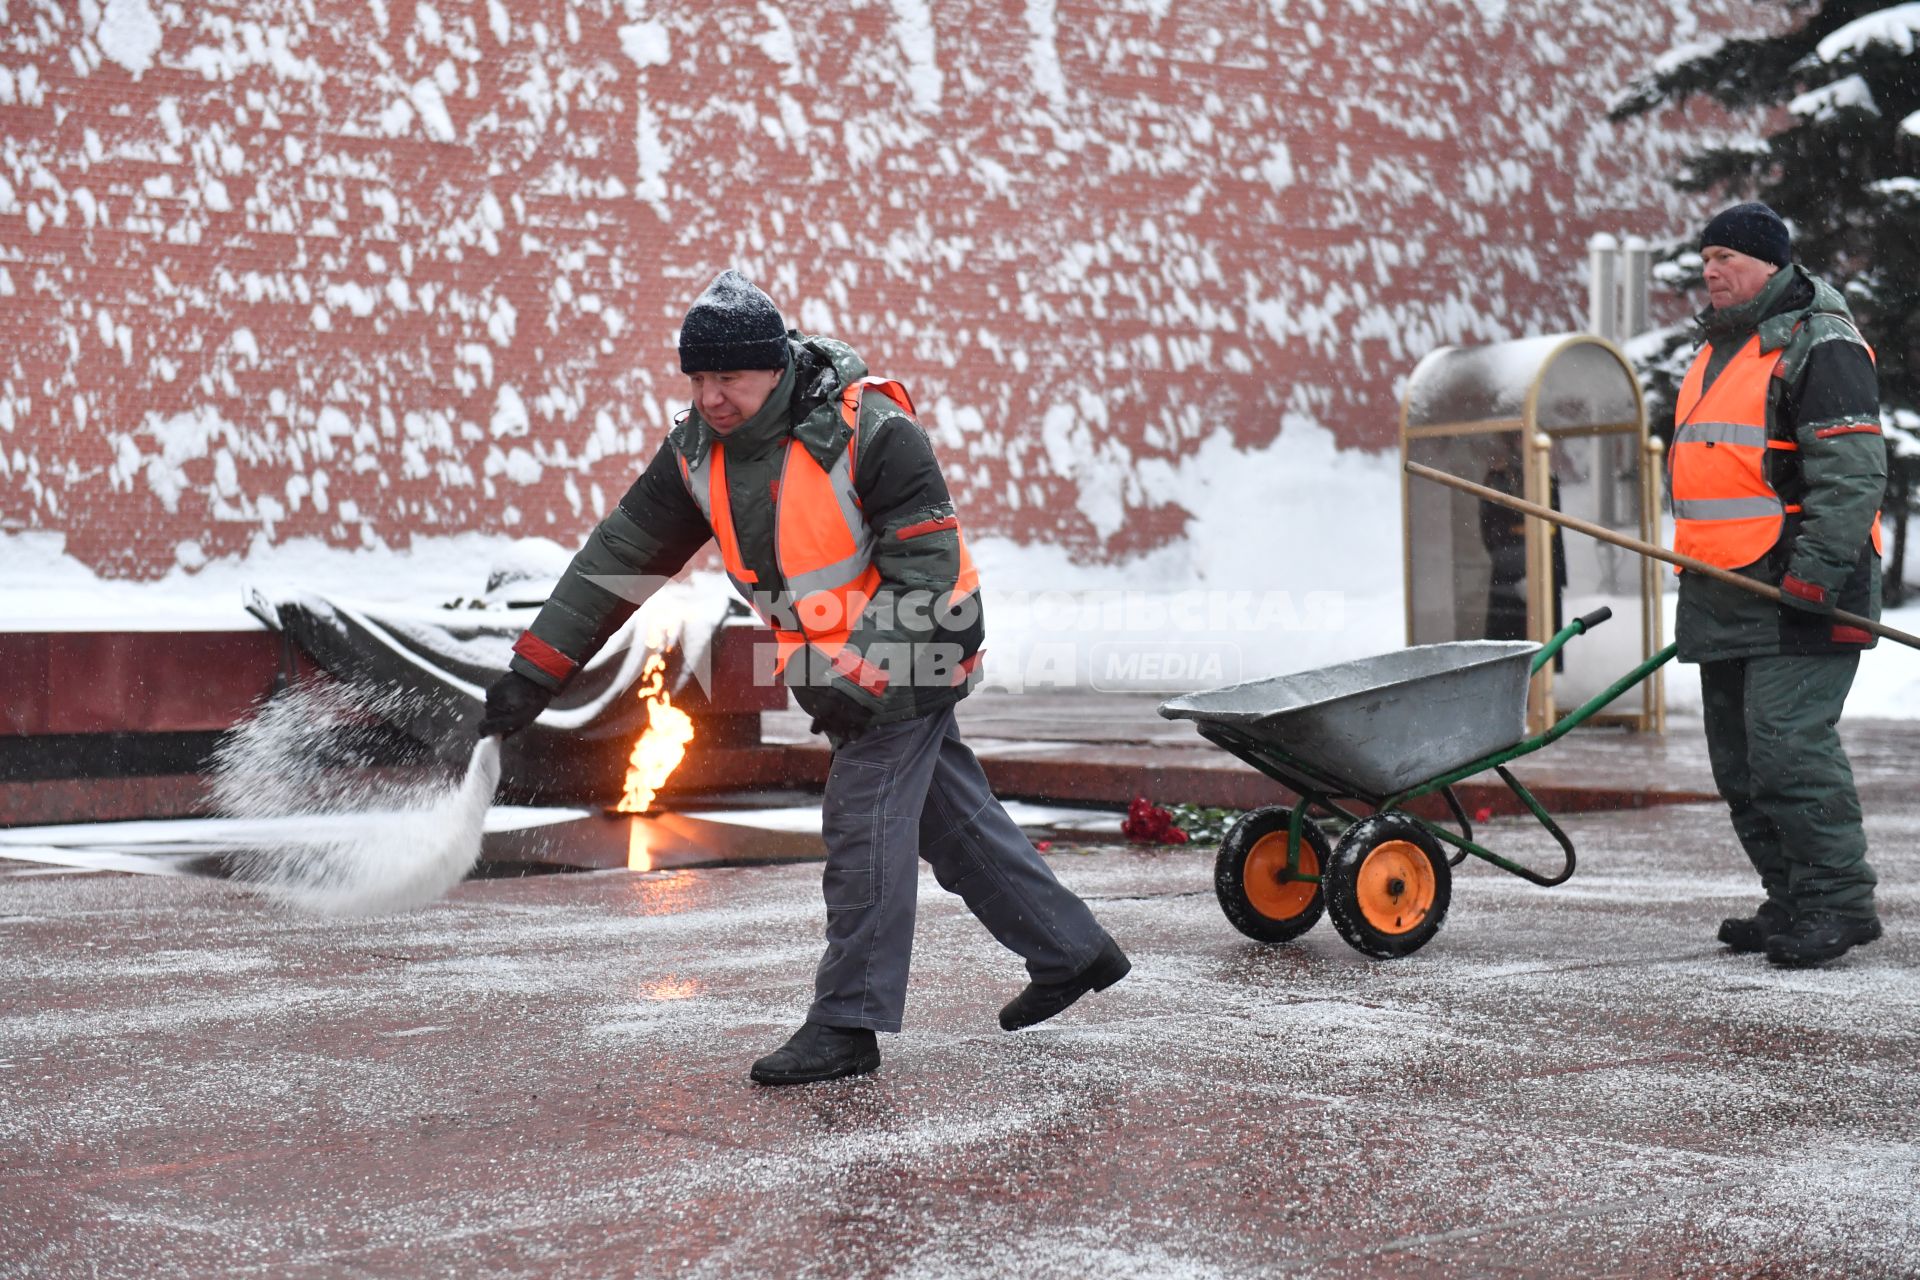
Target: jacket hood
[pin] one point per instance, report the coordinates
(1828, 300)
(1803, 298)
(825, 367)
(828, 356)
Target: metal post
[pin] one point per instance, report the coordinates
(1634, 271)
(1603, 286)
(1537, 463)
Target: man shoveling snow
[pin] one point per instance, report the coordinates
(834, 521)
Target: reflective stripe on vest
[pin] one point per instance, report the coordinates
(822, 542)
(826, 559)
(825, 551)
(1725, 511)
(806, 541)
(708, 485)
(1723, 433)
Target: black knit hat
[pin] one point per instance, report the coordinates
(732, 326)
(1752, 229)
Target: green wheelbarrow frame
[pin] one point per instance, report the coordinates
(1317, 789)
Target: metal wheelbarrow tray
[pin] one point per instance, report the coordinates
(1356, 743)
(1381, 724)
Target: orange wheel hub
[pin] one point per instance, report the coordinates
(1396, 886)
(1270, 888)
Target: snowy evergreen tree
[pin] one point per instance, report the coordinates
(1843, 167)
(1838, 91)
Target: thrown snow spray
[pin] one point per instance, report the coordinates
(341, 837)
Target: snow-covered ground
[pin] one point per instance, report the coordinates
(546, 1077)
(180, 846)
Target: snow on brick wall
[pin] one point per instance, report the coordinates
(366, 269)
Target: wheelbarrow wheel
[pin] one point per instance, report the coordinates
(1250, 876)
(1387, 886)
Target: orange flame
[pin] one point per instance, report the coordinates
(658, 751)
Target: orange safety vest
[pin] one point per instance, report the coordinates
(1725, 511)
(821, 541)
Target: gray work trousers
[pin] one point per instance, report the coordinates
(912, 790)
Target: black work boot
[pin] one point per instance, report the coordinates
(1041, 1000)
(1750, 933)
(1816, 937)
(819, 1052)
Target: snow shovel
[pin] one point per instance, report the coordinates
(1647, 549)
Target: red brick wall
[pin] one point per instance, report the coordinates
(379, 269)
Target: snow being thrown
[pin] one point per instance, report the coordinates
(367, 844)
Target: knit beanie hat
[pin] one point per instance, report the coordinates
(732, 326)
(1752, 229)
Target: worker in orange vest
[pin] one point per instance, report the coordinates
(833, 521)
(1778, 469)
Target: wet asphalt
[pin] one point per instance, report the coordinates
(547, 1077)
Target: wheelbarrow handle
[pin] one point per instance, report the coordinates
(1578, 627)
(1558, 641)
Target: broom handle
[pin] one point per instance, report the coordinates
(1645, 548)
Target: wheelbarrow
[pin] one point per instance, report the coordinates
(1357, 743)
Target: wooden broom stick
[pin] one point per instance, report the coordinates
(1548, 514)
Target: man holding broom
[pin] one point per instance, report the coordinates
(833, 519)
(1778, 468)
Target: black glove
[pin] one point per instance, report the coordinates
(513, 703)
(837, 715)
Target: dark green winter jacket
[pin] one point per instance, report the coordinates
(1826, 392)
(658, 526)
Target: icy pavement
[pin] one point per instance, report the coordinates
(548, 1077)
(167, 846)
(556, 837)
